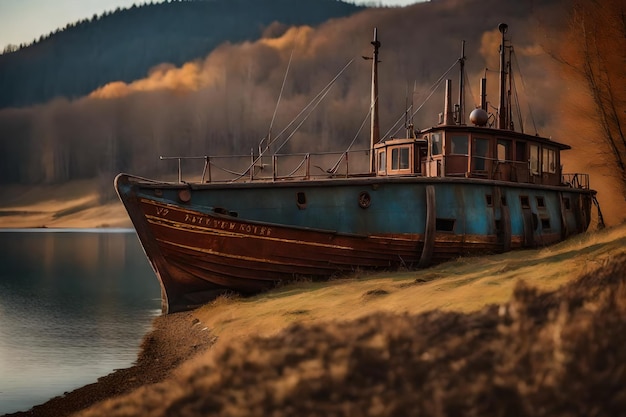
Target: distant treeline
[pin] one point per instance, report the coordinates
(124, 44)
(224, 101)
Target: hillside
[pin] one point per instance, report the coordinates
(122, 45)
(227, 101)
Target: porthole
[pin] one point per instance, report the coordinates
(364, 199)
(184, 195)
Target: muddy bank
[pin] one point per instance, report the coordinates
(173, 340)
(558, 353)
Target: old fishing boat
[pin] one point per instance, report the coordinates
(438, 193)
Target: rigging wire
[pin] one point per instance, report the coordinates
(471, 93)
(433, 88)
(282, 88)
(335, 167)
(517, 106)
(519, 71)
(314, 102)
(319, 97)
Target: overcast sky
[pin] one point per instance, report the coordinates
(22, 21)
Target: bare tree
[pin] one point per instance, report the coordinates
(596, 55)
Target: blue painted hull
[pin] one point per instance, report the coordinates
(249, 236)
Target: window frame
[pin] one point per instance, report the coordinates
(506, 146)
(382, 161)
(400, 159)
(436, 138)
(534, 162)
(454, 145)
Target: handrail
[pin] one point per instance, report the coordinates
(293, 162)
(577, 180)
(301, 165)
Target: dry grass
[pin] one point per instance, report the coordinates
(464, 285)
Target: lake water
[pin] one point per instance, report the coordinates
(74, 306)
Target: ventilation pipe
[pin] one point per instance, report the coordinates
(448, 115)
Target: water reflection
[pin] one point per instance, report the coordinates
(73, 307)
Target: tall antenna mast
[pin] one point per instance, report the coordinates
(375, 129)
(502, 111)
(461, 117)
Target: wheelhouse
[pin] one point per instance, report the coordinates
(472, 152)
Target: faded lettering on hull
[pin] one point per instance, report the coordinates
(227, 225)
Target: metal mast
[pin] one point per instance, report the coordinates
(502, 111)
(375, 129)
(460, 118)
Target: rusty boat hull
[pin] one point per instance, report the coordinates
(203, 240)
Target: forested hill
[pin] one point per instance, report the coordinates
(124, 44)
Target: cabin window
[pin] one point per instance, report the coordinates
(548, 162)
(435, 144)
(504, 150)
(382, 161)
(458, 145)
(489, 200)
(533, 159)
(480, 152)
(400, 158)
(545, 224)
(566, 203)
(520, 152)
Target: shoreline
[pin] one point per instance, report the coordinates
(173, 339)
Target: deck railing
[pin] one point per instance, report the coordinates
(576, 180)
(284, 167)
(278, 167)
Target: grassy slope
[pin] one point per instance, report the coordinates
(465, 285)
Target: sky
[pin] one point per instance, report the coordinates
(22, 21)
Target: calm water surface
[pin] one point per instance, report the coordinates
(74, 305)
